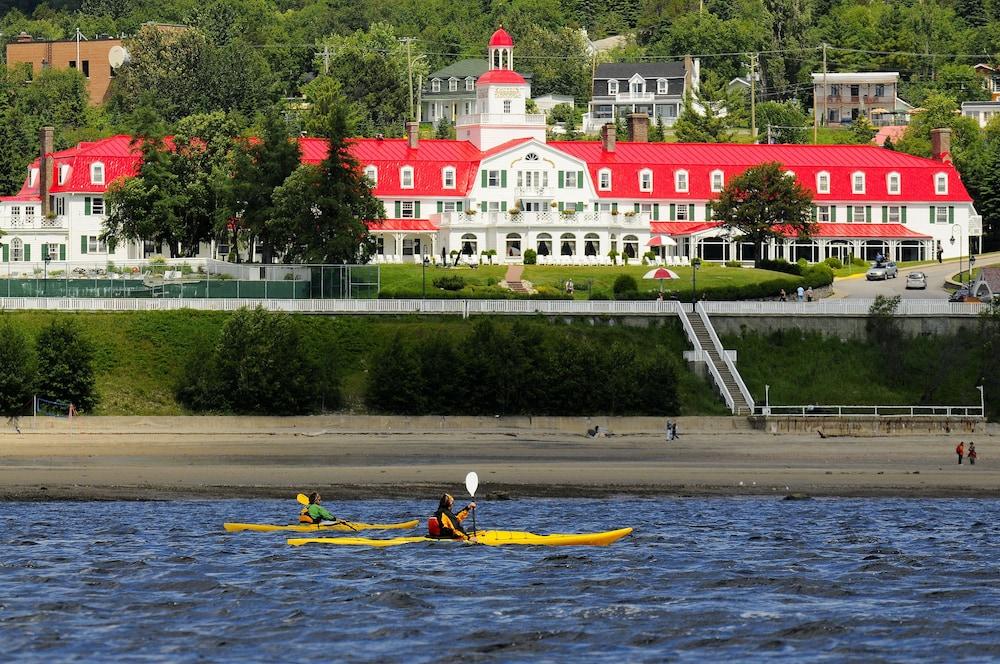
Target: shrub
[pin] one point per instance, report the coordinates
(860, 262)
(734, 264)
(649, 255)
(624, 283)
(598, 294)
(17, 371)
(834, 262)
(780, 265)
(530, 257)
(66, 365)
(451, 282)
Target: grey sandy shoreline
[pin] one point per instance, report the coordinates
(366, 458)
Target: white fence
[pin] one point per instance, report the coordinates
(870, 411)
(847, 306)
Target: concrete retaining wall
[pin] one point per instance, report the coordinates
(870, 426)
(841, 326)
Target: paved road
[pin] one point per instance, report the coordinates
(858, 286)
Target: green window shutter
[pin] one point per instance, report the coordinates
(904, 214)
(27, 252)
(656, 211)
(673, 212)
(951, 214)
(483, 206)
(503, 178)
(459, 205)
(833, 213)
(45, 250)
(86, 205)
(484, 178)
(708, 212)
(868, 214)
(597, 207)
(6, 254)
(691, 212)
(933, 215)
(562, 179)
(885, 214)
(560, 206)
(503, 206)
(83, 239)
(440, 207)
(416, 209)
(579, 179)
(62, 252)
(850, 214)
(815, 213)
(579, 207)
(399, 212)
(614, 207)
(637, 208)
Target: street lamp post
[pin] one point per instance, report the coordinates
(972, 265)
(767, 399)
(45, 259)
(423, 274)
(695, 264)
(961, 270)
(982, 400)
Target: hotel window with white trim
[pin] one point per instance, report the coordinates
(97, 173)
(604, 179)
(681, 181)
(823, 213)
(822, 182)
(406, 210)
(892, 214)
(448, 178)
(63, 173)
(646, 180)
(941, 184)
(858, 183)
(718, 181)
(892, 184)
(406, 177)
(612, 87)
(681, 212)
(371, 172)
(858, 214)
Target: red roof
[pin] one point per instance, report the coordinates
(680, 227)
(402, 225)
(501, 38)
(864, 231)
(501, 76)
(700, 159)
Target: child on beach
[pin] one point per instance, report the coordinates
(972, 453)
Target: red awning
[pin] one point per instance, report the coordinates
(680, 227)
(875, 231)
(397, 225)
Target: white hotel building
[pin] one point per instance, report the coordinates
(502, 186)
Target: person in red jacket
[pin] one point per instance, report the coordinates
(972, 453)
(960, 451)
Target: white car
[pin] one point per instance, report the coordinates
(885, 270)
(916, 280)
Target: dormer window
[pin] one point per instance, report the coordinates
(612, 87)
(452, 84)
(448, 177)
(63, 173)
(636, 85)
(892, 184)
(371, 172)
(941, 184)
(604, 179)
(822, 182)
(32, 177)
(406, 177)
(646, 180)
(661, 86)
(97, 173)
(435, 85)
(470, 84)
(858, 183)
(681, 181)
(718, 180)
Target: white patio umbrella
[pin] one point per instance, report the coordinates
(661, 273)
(661, 241)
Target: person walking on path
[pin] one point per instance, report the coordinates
(783, 296)
(800, 293)
(960, 451)
(670, 431)
(809, 294)
(972, 453)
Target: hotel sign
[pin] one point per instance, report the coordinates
(508, 93)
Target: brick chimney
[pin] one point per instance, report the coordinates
(941, 144)
(413, 134)
(46, 139)
(688, 75)
(609, 134)
(638, 127)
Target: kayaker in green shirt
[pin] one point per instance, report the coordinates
(314, 512)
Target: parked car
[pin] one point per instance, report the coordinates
(885, 270)
(961, 295)
(916, 280)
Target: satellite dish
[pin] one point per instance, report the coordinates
(117, 56)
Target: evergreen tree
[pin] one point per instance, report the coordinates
(66, 365)
(17, 371)
(703, 125)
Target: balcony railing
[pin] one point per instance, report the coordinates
(530, 119)
(32, 223)
(634, 97)
(588, 218)
(535, 192)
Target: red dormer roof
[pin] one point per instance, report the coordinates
(501, 76)
(501, 38)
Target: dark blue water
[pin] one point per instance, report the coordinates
(701, 580)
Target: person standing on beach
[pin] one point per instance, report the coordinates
(960, 451)
(972, 453)
(670, 431)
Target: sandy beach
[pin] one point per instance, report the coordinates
(189, 457)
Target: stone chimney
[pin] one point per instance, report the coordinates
(638, 127)
(46, 139)
(413, 134)
(688, 75)
(941, 144)
(609, 134)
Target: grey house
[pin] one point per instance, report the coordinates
(654, 88)
(451, 92)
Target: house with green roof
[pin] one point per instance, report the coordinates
(451, 92)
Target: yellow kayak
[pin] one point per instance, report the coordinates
(341, 526)
(487, 537)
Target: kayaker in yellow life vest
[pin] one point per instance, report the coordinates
(449, 525)
(314, 512)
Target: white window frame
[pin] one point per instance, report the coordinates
(493, 178)
(63, 173)
(662, 85)
(407, 210)
(32, 177)
(890, 179)
(637, 85)
(939, 180)
(855, 189)
(613, 86)
(448, 178)
(60, 205)
(97, 173)
(821, 177)
(17, 250)
(823, 214)
(371, 172)
(53, 250)
(95, 245)
(470, 83)
(722, 180)
(855, 212)
(435, 85)
(569, 180)
(602, 184)
(15, 211)
(403, 173)
(681, 212)
(898, 214)
(493, 206)
(643, 185)
(940, 215)
(681, 181)
(453, 84)
(97, 205)
(507, 105)
(449, 206)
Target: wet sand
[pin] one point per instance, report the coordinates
(185, 462)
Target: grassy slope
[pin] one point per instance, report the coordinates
(140, 357)
(602, 278)
(813, 369)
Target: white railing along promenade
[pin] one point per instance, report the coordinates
(726, 358)
(846, 306)
(869, 411)
(721, 385)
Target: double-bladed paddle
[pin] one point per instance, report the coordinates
(304, 500)
(471, 484)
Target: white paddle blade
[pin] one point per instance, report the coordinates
(472, 483)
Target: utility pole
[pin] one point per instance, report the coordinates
(753, 97)
(79, 65)
(826, 90)
(409, 71)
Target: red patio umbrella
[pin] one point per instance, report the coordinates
(661, 241)
(661, 273)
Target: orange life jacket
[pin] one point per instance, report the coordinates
(304, 516)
